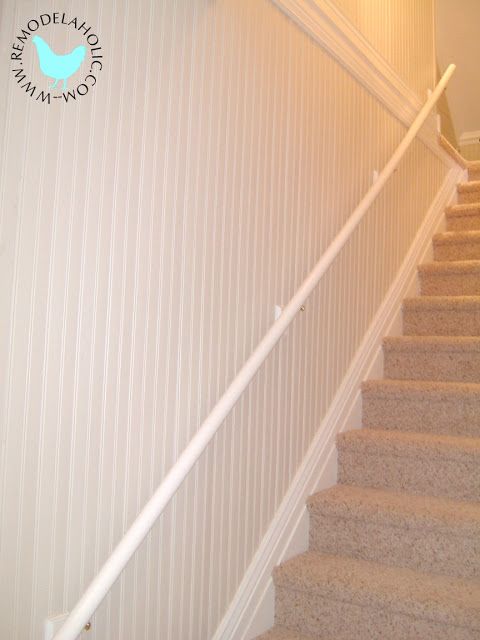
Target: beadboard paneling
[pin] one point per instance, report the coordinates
(402, 31)
(147, 232)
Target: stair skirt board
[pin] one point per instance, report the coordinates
(251, 611)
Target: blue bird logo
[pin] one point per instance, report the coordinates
(55, 66)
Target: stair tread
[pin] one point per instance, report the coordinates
(438, 389)
(469, 208)
(456, 237)
(432, 343)
(459, 267)
(444, 303)
(398, 509)
(406, 444)
(280, 633)
(468, 187)
(445, 600)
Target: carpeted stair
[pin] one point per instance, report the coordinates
(473, 170)
(395, 547)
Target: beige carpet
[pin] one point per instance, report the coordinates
(395, 546)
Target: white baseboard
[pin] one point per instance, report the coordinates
(251, 611)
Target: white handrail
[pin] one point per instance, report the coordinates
(132, 539)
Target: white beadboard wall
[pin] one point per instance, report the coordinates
(146, 234)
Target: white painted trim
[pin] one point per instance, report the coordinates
(251, 611)
(469, 137)
(452, 152)
(327, 25)
(322, 20)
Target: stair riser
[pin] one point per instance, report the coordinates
(468, 197)
(422, 415)
(431, 477)
(447, 366)
(450, 284)
(463, 223)
(450, 252)
(328, 619)
(409, 547)
(419, 322)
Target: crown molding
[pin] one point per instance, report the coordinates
(337, 35)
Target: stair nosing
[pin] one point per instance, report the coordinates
(465, 209)
(393, 387)
(450, 267)
(427, 344)
(427, 513)
(411, 444)
(457, 237)
(442, 302)
(280, 633)
(468, 187)
(401, 590)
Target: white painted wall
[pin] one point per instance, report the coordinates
(457, 25)
(146, 233)
(400, 31)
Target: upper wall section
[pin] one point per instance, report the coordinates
(402, 31)
(461, 46)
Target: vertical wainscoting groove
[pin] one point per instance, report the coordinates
(251, 611)
(147, 231)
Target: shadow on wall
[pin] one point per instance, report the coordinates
(456, 26)
(470, 150)
(446, 120)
